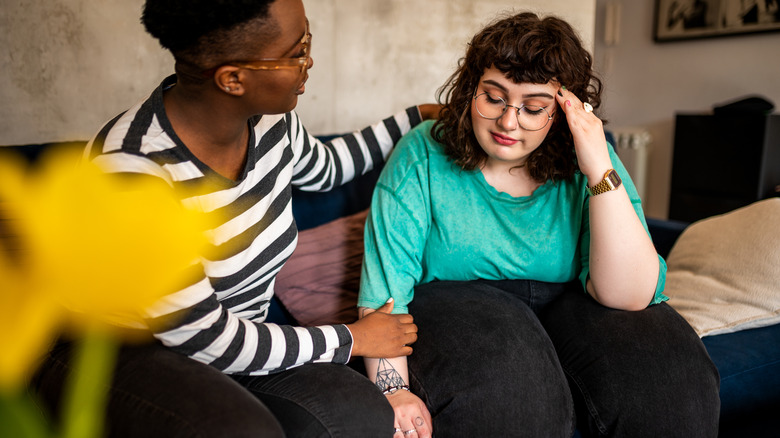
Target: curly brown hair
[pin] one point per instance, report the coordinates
(526, 48)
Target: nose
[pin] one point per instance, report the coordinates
(508, 121)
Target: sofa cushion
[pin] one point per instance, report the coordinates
(724, 271)
(320, 282)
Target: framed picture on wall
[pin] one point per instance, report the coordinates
(685, 19)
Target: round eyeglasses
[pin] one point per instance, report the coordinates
(529, 117)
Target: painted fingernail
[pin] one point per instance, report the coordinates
(563, 87)
(559, 93)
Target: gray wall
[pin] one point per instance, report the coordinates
(67, 66)
(378, 57)
(647, 83)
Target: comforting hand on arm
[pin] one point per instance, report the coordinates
(382, 334)
(391, 375)
(623, 261)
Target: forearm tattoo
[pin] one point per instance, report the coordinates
(387, 376)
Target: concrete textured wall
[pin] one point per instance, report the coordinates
(373, 58)
(67, 66)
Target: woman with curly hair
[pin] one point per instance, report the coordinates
(513, 234)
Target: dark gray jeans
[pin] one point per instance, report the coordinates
(159, 393)
(519, 358)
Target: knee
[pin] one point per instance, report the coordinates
(332, 400)
(627, 380)
(362, 410)
(522, 393)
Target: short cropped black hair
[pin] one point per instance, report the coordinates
(190, 27)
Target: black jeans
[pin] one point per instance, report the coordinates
(159, 393)
(519, 358)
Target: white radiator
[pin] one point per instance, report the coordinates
(632, 146)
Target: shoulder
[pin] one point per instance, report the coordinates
(418, 145)
(416, 156)
(142, 129)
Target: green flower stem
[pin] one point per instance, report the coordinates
(87, 389)
(20, 417)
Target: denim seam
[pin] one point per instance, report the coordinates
(588, 401)
(751, 369)
(417, 385)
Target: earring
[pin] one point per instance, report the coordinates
(227, 88)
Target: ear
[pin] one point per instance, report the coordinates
(229, 78)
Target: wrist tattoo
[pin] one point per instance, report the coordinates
(387, 376)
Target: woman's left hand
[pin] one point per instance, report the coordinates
(587, 130)
(412, 419)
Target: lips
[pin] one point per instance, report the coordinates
(503, 139)
(302, 88)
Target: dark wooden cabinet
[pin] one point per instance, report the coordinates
(722, 162)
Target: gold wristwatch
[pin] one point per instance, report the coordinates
(610, 182)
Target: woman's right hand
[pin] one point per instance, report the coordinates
(410, 415)
(381, 334)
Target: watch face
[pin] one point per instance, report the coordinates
(614, 179)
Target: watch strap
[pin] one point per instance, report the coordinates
(610, 182)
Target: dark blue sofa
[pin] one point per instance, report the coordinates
(748, 361)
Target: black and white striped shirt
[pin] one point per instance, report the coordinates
(219, 318)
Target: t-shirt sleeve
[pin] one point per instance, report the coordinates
(636, 202)
(397, 227)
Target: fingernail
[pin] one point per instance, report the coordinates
(389, 300)
(563, 87)
(559, 93)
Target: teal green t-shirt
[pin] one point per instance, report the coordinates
(430, 220)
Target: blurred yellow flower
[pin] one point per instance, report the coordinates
(85, 249)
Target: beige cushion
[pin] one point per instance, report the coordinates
(724, 271)
(320, 282)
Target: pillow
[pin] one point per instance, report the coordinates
(724, 271)
(319, 284)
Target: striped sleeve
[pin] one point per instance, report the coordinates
(212, 334)
(322, 166)
(218, 317)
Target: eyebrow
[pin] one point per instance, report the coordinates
(504, 89)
